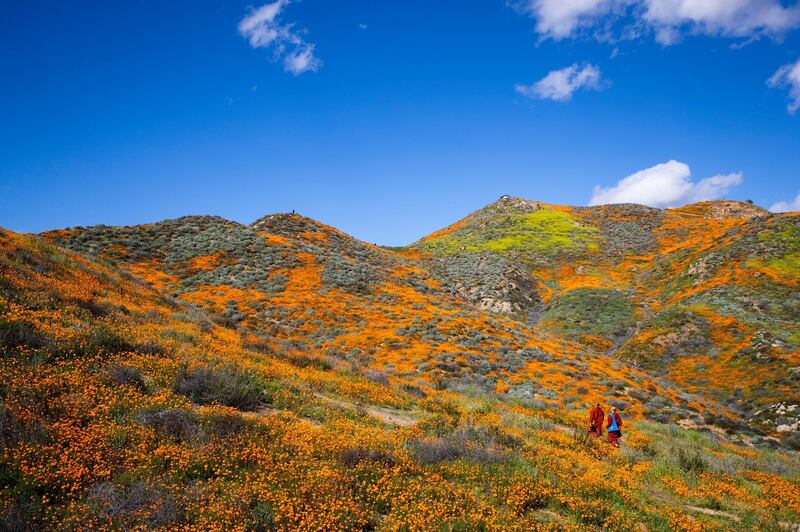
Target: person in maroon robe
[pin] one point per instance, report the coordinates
(596, 416)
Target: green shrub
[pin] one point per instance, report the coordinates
(434, 450)
(227, 385)
(691, 462)
(142, 501)
(127, 375)
(378, 377)
(309, 361)
(354, 456)
(599, 312)
(472, 443)
(263, 515)
(224, 424)
(150, 347)
(174, 423)
(259, 344)
(103, 340)
(15, 334)
(6, 424)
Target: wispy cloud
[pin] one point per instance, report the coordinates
(558, 19)
(788, 76)
(787, 206)
(560, 85)
(667, 20)
(665, 185)
(263, 28)
(728, 18)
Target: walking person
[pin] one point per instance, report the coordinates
(614, 426)
(596, 416)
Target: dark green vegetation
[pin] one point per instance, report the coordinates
(605, 313)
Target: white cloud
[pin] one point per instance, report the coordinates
(301, 60)
(558, 19)
(263, 29)
(560, 85)
(668, 20)
(787, 206)
(788, 76)
(731, 18)
(665, 185)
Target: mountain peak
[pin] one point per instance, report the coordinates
(506, 202)
(288, 222)
(721, 209)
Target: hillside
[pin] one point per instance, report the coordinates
(687, 315)
(373, 310)
(204, 373)
(704, 296)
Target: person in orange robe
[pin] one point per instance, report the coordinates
(614, 426)
(596, 416)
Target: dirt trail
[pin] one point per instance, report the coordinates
(715, 513)
(386, 415)
(662, 497)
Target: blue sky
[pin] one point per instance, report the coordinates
(390, 120)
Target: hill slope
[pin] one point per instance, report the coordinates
(704, 296)
(290, 278)
(123, 406)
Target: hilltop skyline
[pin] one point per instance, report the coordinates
(389, 122)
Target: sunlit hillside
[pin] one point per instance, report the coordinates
(200, 373)
(704, 297)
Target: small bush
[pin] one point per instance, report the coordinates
(127, 376)
(727, 423)
(150, 348)
(174, 423)
(20, 513)
(416, 391)
(225, 424)
(6, 424)
(258, 344)
(227, 385)
(580, 437)
(14, 334)
(434, 450)
(378, 377)
(263, 516)
(308, 361)
(31, 259)
(142, 503)
(104, 340)
(691, 462)
(96, 308)
(288, 346)
(229, 322)
(793, 442)
(352, 457)
(473, 443)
